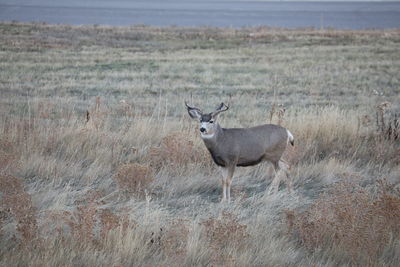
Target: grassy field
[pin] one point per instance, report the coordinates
(100, 164)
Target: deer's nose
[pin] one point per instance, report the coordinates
(202, 129)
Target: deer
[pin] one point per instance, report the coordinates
(242, 147)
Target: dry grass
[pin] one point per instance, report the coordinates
(175, 151)
(133, 178)
(16, 203)
(89, 225)
(174, 242)
(357, 220)
(227, 236)
(89, 112)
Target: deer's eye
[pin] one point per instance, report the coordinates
(211, 121)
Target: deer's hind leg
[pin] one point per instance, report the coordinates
(274, 187)
(285, 167)
(270, 171)
(282, 170)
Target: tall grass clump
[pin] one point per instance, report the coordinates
(356, 221)
(89, 223)
(177, 150)
(227, 237)
(16, 205)
(134, 178)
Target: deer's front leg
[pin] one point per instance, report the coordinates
(223, 189)
(227, 175)
(224, 172)
(229, 178)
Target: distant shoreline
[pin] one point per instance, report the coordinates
(351, 15)
(200, 28)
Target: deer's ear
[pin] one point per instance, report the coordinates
(194, 113)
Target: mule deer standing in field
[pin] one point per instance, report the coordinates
(243, 146)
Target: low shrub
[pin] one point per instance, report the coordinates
(134, 178)
(359, 221)
(226, 235)
(176, 150)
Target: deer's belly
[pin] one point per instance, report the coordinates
(249, 162)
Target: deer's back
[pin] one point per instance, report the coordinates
(249, 146)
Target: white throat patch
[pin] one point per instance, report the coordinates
(207, 136)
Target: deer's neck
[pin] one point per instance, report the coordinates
(212, 146)
(211, 141)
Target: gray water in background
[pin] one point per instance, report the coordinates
(239, 13)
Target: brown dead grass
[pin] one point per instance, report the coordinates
(176, 150)
(81, 221)
(8, 158)
(226, 236)
(174, 242)
(17, 204)
(387, 122)
(89, 223)
(359, 221)
(134, 178)
(8, 161)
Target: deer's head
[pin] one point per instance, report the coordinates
(208, 121)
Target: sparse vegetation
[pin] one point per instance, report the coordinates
(357, 221)
(100, 164)
(133, 178)
(226, 236)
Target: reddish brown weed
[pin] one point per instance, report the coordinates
(17, 202)
(174, 241)
(351, 217)
(134, 178)
(89, 221)
(176, 149)
(224, 234)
